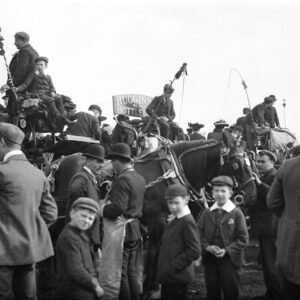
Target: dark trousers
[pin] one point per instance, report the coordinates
(174, 292)
(18, 282)
(170, 130)
(272, 279)
(221, 275)
(291, 291)
(130, 288)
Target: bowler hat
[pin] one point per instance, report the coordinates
(120, 150)
(268, 153)
(22, 36)
(176, 190)
(221, 181)
(12, 133)
(95, 151)
(86, 203)
(268, 100)
(42, 58)
(221, 123)
(273, 97)
(168, 88)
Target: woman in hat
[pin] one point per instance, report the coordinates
(216, 134)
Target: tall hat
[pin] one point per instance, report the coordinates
(95, 151)
(120, 150)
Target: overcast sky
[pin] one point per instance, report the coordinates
(98, 49)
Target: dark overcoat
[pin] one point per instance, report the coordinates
(233, 231)
(284, 200)
(160, 107)
(77, 265)
(127, 197)
(26, 207)
(263, 222)
(23, 64)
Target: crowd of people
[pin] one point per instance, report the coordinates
(94, 262)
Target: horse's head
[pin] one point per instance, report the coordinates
(239, 168)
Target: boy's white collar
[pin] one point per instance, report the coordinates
(228, 206)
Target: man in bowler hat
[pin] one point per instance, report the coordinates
(85, 184)
(27, 209)
(126, 196)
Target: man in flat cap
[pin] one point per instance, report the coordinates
(264, 223)
(27, 209)
(23, 62)
(161, 109)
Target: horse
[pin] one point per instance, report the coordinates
(192, 163)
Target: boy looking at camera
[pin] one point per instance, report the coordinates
(76, 258)
(180, 246)
(223, 235)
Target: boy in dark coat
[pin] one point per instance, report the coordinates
(180, 246)
(76, 258)
(223, 235)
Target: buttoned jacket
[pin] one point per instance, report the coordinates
(26, 208)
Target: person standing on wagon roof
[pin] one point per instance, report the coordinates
(22, 63)
(161, 109)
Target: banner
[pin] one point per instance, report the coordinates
(132, 105)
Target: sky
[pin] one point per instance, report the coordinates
(98, 49)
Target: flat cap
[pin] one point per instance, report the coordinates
(268, 100)
(42, 58)
(168, 88)
(22, 36)
(176, 190)
(268, 153)
(86, 203)
(12, 133)
(221, 181)
(95, 107)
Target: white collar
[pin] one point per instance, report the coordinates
(89, 171)
(228, 206)
(186, 211)
(11, 153)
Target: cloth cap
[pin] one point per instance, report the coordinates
(221, 181)
(176, 190)
(42, 58)
(168, 88)
(86, 203)
(12, 133)
(268, 153)
(273, 97)
(221, 123)
(95, 151)
(95, 107)
(22, 36)
(120, 150)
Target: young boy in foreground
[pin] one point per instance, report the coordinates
(223, 235)
(75, 256)
(180, 246)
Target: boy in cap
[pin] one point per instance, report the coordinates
(223, 235)
(40, 83)
(180, 246)
(75, 255)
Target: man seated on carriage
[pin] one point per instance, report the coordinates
(217, 133)
(271, 115)
(162, 110)
(39, 83)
